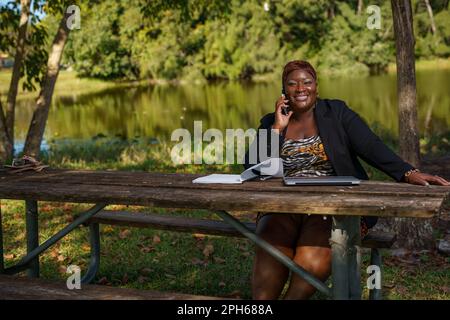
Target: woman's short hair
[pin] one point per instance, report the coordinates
(298, 65)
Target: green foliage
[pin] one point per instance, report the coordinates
(33, 64)
(351, 48)
(97, 51)
(203, 40)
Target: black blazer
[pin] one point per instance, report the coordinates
(345, 137)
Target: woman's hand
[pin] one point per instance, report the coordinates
(281, 121)
(425, 179)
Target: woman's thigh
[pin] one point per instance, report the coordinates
(270, 275)
(279, 229)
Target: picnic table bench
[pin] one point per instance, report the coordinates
(345, 203)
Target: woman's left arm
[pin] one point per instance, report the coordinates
(371, 149)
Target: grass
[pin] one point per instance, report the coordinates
(68, 84)
(435, 64)
(169, 261)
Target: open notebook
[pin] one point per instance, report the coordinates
(271, 167)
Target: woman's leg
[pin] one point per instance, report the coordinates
(269, 275)
(317, 261)
(313, 253)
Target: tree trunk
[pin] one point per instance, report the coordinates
(18, 59)
(430, 13)
(406, 81)
(330, 10)
(40, 115)
(5, 143)
(360, 6)
(411, 233)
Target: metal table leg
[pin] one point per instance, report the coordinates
(375, 259)
(94, 263)
(25, 261)
(32, 236)
(345, 241)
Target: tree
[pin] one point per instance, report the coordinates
(360, 7)
(7, 122)
(406, 80)
(411, 233)
(40, 115)
(27, 47)
(430, 14)
(12, 92)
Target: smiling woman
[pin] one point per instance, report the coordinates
(317, 137)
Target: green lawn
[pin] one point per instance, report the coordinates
(169, 261)
(68, 84)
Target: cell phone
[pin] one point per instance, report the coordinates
(285, 110)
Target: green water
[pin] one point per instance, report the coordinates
(155, 111)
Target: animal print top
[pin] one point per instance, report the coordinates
(305, 158)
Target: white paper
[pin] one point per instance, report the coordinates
(220, 178)
(272, 167)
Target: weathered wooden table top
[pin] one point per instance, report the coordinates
(178, 191)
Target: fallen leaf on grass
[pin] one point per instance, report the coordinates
(107, 229)
(209, 249)
(156, 239)
(198, 236)
(197, 261)
(146, 249)
(402, 290)
(388, 285)
(142, 279)
(146, 271)
(61, 258)
(62, 269)
(9, 256)
(445, 289)
(219, 260)
(124, 234)
(67, 207)
(104, 281)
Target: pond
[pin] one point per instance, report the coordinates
(155, 111)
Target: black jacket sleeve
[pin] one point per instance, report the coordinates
(369, 147)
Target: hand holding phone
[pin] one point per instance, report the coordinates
(282, 113)
(285, 110)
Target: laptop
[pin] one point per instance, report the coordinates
(321, 181)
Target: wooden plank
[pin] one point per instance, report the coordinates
(182, 224)
(175, 190)
(230, 200)
(144, 179)
(170, 223)
(379, 240)
(15, 288)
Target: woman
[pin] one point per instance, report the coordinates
(317, 137)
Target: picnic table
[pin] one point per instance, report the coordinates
(165, 190)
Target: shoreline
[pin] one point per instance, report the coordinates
(69, 84)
